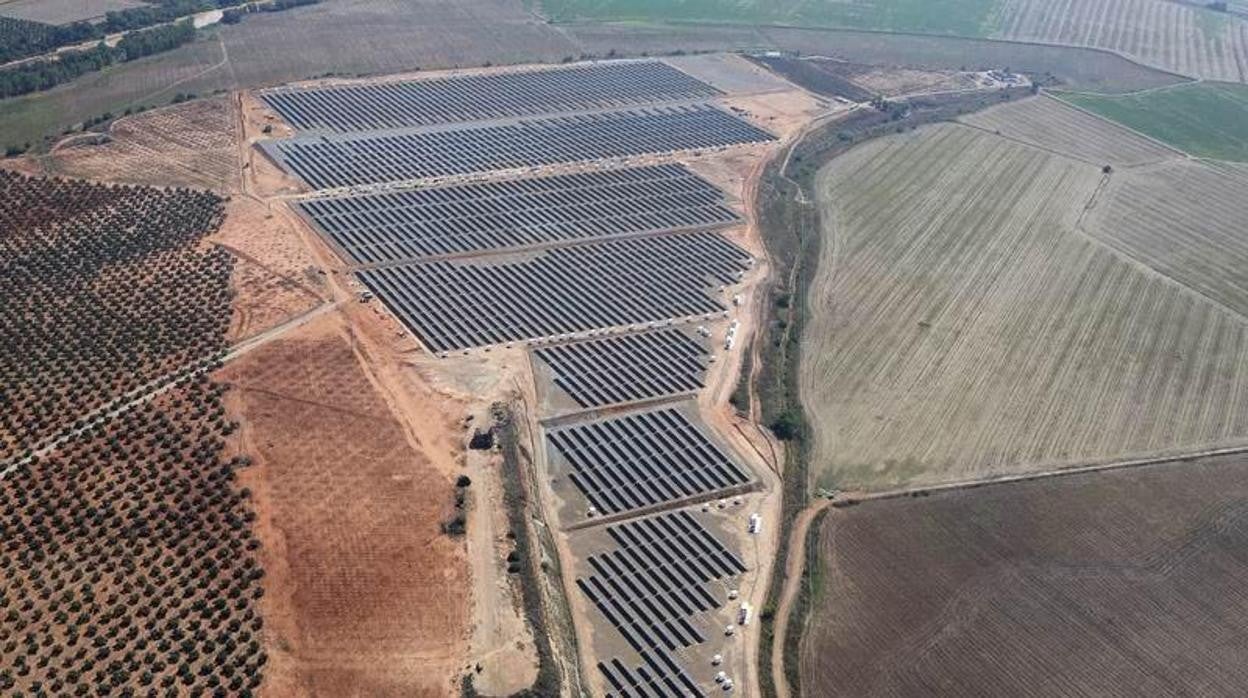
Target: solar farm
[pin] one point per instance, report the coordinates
(628, 368)
(483, 97)
(559, 293)
(643, 460)
(653, 587)
(411, 155)
(504, 211)
(512, 214)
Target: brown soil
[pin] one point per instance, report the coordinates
(193, 144)
(275, 277)
(366, 595)
(1120, 583)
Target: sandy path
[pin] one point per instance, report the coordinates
(793, 570)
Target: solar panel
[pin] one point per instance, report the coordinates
(412, 155)
(518, 213)
(643, 459)
(480, 97)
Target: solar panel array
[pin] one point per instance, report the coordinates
(633, 367)
(649, 588)
(643, 459)
(461, 98)
(404, 225)
(372, 158)
(453, 304)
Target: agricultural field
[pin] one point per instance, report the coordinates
(1207, 120)
(106, 289)
(1047, 123)
(966, 328)
(63, 11)
(366, 595)
(1186, 221)
(128, 559)
(194, 144)
(958, 17)
(1122, 583)
(1173, 36)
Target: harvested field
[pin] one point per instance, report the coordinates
(367, 596)
(63, 11)
(895, 82)
(965, 329)
(1205, 119)
(105, 288)
(1048, 123)
(194, 144)
(1123, 583)
(1169, 35)
(1186, 220)
(1077, 68)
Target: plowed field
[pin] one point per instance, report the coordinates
(1122, 583)
(367, 596)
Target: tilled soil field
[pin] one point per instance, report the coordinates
(367, 595)
(1121, 583)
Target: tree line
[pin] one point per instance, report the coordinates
(42, 75)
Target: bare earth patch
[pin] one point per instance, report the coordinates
(368, 596)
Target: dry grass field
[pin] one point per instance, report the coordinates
(964, 328)
(1048, 123)
(1169, 35)
(63, 11)
(192, 144)
(366, 595)
(1186, 220)
(1123, 583)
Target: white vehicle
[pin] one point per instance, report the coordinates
(756, 523)
(744, 615)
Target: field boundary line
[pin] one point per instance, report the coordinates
(1124, 127)
(988, 481)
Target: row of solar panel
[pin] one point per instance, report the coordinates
(649, 588)
(372, 158)
(398, 226)
(627, 368)
(643, 459)
(456, 305)
(461, 98)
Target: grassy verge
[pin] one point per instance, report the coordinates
(808, 596)
(788, 217)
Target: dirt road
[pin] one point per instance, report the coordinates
(792, 583)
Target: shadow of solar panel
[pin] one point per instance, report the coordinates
(648, 588)
(371, 158)
(643, 459)
(461, 98)
(518, 213)
(455, 305)
(627, 368)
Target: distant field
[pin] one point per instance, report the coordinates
(1170, 35)
(1205, 119)
(63, 11)
(1186, 220)
(966, 329)
(961, 17)
(1127, 583)
(1049, 123)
